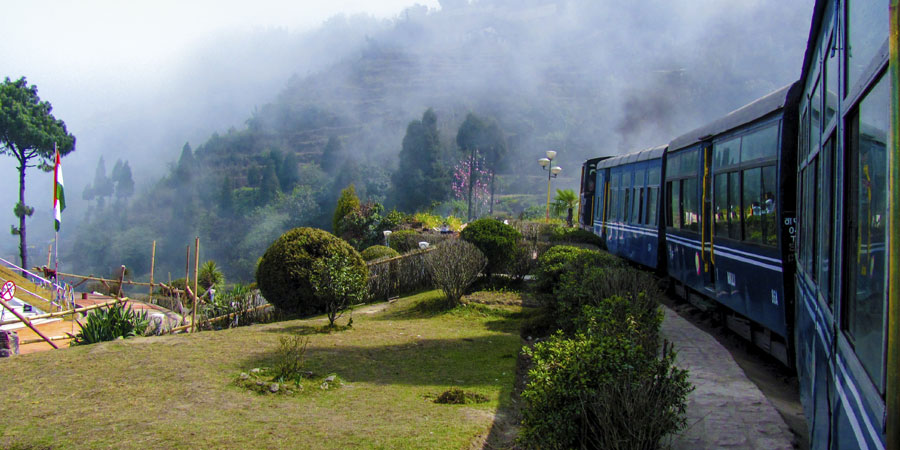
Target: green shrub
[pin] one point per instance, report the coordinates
(114, 322)
(377, 252)
(337, 284)
(587, 281)
(289, 357)
(403, 241)
(552, 264)
(287, 269)
(556, 260)
(606, 387)
(210, 276)
(575, 236)
(496, 240)
(639, 409)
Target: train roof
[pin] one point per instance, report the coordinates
(746, 114)
(642, 155)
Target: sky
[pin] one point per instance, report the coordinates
(105, 65)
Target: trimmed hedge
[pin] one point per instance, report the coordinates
(377, 252)
(606, 386)
(286, 269)
(575, 236)
(496, 240)
(601, 381)
(556, 260)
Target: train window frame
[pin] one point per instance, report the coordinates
(826, 218)
(681, 165)
(689, 190)
(867, 73)
(849, 288)
(766, 158)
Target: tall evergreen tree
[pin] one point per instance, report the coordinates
(421, 177)
(347, 203)
(121, 176)
(333, 155)
(29, 133)
(268, 189)
(186, 166)
(226, 196)
(288, 175)
(102, 186)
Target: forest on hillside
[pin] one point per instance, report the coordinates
(580, 77)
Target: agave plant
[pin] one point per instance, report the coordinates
(107, 324)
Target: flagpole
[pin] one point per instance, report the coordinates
(55, 200)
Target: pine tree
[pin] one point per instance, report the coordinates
(347, 203)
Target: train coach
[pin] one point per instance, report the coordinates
(785, 215)
(843, 317)
(714, 211)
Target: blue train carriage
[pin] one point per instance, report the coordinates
(842, 288)
(626, 205)
(730, 219)
(587, 197)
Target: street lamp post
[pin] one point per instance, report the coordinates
(552, 172)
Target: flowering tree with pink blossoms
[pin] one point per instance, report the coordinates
(464, 173)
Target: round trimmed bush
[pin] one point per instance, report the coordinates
(377, 252)
(286, 270)
(403, 241)
(495, 239)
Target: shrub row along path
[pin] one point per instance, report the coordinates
(726, 410)
(180, 391)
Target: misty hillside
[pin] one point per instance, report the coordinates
(582, 77)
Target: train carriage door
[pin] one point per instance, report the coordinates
(706, 218)
(602, 200)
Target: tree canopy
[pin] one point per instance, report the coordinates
(421, 177)
(30, 133)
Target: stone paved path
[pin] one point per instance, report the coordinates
(726, 410)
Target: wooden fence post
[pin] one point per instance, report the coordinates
(196, 279)
(121, 280)
(152, 263)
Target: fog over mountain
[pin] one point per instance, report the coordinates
(586, 78)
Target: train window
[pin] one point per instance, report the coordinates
(760, 144)
(727, 153)
(769, 206)
(638, 214)
(867, 234)
(752, 205)
(831, 84)
(826, 218)
(682, 164)
(673, 218)
(808, 219)
(626, 192)
(691, 216)
(866, 29)
(653, 176)
(652, 199)
(614, 197)
(734, 205)
(815, 120)
(673, 165)
(720, 205)
(804, 133)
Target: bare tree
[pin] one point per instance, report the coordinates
(454, 266)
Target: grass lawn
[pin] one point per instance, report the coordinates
(180, 391)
